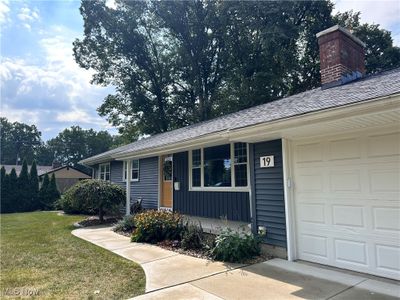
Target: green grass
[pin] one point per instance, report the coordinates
(38, 251)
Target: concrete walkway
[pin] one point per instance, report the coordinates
(170, 275)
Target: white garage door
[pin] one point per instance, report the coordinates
(347, 202)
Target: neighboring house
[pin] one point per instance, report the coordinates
(318, 170)
(66, 176)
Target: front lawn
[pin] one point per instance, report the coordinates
(39, 252)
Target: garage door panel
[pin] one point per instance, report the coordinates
(310, 182)
(345, 181)
(344, 149)
(348, 215)
(388, 258)
(347, 202)
(386, 218)
(351, 252)
(314, 245)
(312, 213)
(383, 145)
(386, 181)
(307, 153)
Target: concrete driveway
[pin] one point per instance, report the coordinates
(170, 275)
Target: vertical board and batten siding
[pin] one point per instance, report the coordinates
(268, 192)
(147, 186)
(234, 206)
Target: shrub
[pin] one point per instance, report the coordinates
(34, 187)
(23, 188)
(93, 195)
(12, 192)
(155, 226)
(192, 236)
(235, 246)
(44, 197)
(127, 224)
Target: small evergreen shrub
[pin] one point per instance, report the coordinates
(127, 224)
(235, 246)
(155, 226)
(192, 236)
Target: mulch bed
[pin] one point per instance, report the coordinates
(94, 221)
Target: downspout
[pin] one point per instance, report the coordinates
(128, 187)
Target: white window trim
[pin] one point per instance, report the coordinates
(109, 168)
(124, 167)
(232, 188)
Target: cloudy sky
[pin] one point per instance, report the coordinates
(40, 82)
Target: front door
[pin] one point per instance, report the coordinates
(166, 182)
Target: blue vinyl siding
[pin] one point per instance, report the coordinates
(147, 186)
(233, 205)
(268, 192)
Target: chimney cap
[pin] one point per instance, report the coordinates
(343, 30)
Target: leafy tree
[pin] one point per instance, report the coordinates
(44, 197)
(45, 155)
(380, 53)
(73, 144)
(198, 29)
(23, 186)
(174, 63)
(34, 187)
(137, 63)
(18, 140)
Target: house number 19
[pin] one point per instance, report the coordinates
(267, 161)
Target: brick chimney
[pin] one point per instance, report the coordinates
(341, 55)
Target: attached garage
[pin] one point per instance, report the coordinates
(347, 201)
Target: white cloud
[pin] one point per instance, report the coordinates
(28, 16)
(385, 13)
(4, 10)
(55, 94)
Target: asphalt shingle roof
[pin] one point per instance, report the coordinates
(367, 88)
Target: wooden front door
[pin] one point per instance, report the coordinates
(166, 181)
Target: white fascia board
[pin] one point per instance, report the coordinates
(230, 135)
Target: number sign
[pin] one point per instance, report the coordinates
(267, 161)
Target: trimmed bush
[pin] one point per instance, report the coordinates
(234, 246)
(192, 236)
(127, 224)
(155, 226)
(93, 195)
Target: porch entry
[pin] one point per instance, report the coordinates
(166, 182)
